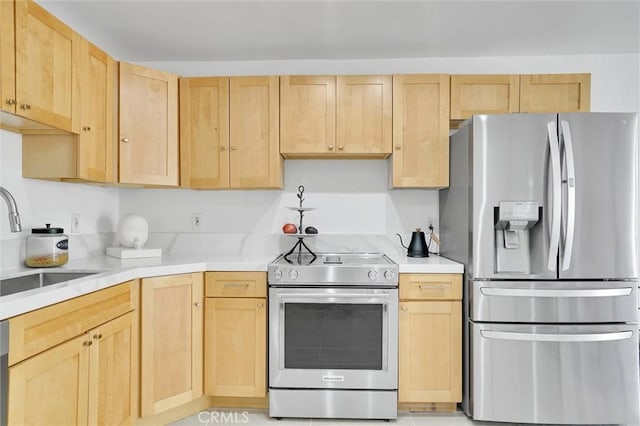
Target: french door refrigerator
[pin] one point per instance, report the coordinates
(543, 211)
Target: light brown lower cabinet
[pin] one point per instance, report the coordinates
(89, 379)
(235, 349)
(171, 341)
(430, 342)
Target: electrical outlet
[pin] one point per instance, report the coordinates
(196, 221)
(75, 223)
(432, 221)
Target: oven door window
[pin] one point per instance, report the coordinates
(333, 336)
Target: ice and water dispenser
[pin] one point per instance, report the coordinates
(513, 222)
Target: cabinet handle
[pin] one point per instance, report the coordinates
(340, 147)
(11, 101)
(243, 285)
(197, 304)
(86, 128)
(97, 336)
(260, 305)
(25, 106)
(223, 148)
(330, 147)
(87, 343)
(404, 308)
(125, 140)
(398, 147)
(432, 287)
(234, 148)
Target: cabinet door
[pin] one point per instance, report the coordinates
(555, 93)
(7, 58)
(430, 352)
(95, 144)
(484, 94)
(51, 388)
(148, 126)
(364, 114)
(204, 132)
(171, 341)
(113, 372)
(421, 130)
(235, 347)
(308, 121)
(47, 55)
(255, 160)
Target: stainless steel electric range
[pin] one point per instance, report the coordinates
(333, 336)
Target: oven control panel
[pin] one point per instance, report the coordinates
(300, 275)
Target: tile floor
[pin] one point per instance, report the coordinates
(231, 416)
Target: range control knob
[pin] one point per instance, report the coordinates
(293, 274)
(373, 275)
(277, 274)
(389, 275)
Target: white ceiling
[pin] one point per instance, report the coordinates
(212, 30)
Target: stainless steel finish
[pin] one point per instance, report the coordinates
(37, 280)
(570, 182)
(556, 192)
(280, 377)
(330, 269)
(14, 216)
(11, 101)
(346, 404)
(555, 373)
(555, 341)
(605, 150)
(125, 140)
(4, 371)
(553, 301)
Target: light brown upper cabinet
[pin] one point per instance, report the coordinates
(46, 72)
(254, 157)
(364, 114)
(484, 94)
(88, 156)
(500, 94)
(204, 132)
(148, 134)
(555, 93)
(421, 130)
(7, 58)
(346, 116)
(308, 107)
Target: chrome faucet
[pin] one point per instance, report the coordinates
(14, 216)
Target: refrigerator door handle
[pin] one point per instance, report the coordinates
(556, 193)
(571, 195)
(526, 292)
(541, 337)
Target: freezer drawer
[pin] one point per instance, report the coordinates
(582, 374)
(553, 301)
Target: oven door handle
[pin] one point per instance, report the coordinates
(335, 295)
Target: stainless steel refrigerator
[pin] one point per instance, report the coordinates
(542, 209)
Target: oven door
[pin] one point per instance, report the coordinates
(333, 338)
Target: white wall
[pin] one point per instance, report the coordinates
(41, 202)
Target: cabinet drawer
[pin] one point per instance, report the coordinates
(235, 284)
(36, 331)
(430, 286)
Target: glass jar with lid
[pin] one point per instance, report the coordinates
(47, 247)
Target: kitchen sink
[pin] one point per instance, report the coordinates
(39, 279)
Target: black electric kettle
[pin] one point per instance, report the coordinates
(417, 246)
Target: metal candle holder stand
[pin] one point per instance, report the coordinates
(300, 243)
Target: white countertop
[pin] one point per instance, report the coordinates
(112, 271)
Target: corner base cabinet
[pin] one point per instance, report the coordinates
(171, 341)
(430, 342)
